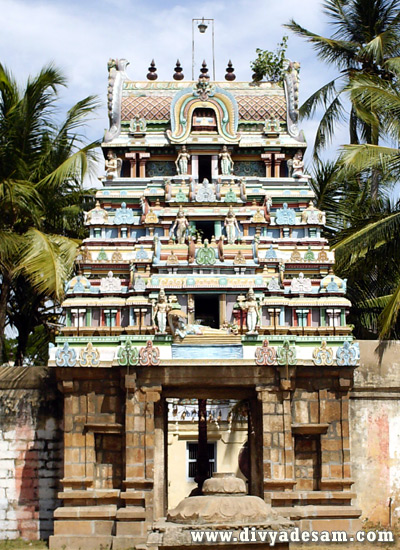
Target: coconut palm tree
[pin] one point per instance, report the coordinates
(368, 254)
(366, 34)
(370, 247)
(40, 163)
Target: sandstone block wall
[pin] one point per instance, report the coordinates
(31, 442)
(30, 453)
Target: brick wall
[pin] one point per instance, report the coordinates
(30, 453)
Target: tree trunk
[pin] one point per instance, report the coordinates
(23, 335)
(202, 452)
(5, 291)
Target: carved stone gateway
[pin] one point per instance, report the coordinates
(204, 330)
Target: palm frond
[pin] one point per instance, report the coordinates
(389, 315)
(75, 166)
(337, 52)
(47, 261)
(320, 98)
(356, 158)
(325, 131)
(350, 249)
(77, 115)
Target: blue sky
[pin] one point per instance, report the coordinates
(80, 36)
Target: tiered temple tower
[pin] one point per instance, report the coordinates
(205, 275)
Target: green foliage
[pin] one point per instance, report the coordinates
(270, 64)
(366, 34)
(363, 230)
(41, 196)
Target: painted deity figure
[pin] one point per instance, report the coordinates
(231, 226)
(298, 165)
(182, 162)
(160, 312)
(113, 165)
(226, 162)
(144, 204)
(252, 311)
(181, 225)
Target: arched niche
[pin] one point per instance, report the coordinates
(215, 100)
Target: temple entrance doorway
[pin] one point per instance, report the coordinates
(206, 310)
(225, 426)
(204, 167)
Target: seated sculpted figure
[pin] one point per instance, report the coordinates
(298, 166)
(113, 165)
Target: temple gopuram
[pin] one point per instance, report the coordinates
(205, 286)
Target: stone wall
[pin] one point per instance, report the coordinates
(31, 442)
(30, 452)
(375, 431)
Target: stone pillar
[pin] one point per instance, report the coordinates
(255, 441)
(214, 166)
(279, 157)
(335, 448)
(267, 158)
(222, 309)
(277, 449)
(131, 156)
(142, 164)
(195, 166)
(140, 480)
(288, 438)
(274, 313)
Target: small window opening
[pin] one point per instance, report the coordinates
(204, 168)
(206, 310)
(204, 120)
(192, 452)
(206, 229)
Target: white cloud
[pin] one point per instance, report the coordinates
(80, 36)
